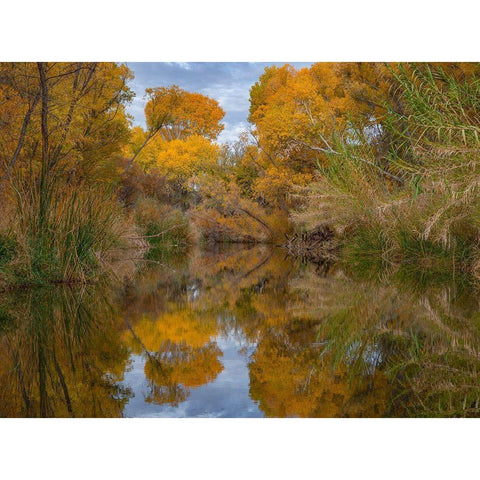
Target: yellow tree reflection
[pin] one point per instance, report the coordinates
(180, 353)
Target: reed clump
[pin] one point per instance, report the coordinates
(416, 200)
(71, 240)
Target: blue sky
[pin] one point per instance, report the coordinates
(229, 83)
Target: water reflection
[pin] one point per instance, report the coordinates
(61, 354)
(243, 332)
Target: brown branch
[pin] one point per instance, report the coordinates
(150, 135)
(20, 143)
(270, 231)
(157, 234)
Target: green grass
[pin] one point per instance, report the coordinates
(8, 249)
(66, 245)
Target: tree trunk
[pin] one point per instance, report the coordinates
(45, 153)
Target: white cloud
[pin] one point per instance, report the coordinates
(231, 132)
(184, 65)
(231, 98)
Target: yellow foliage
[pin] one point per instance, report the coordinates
(87, 127)
(177, 326)
(181, 159)
(289, 380)
(276, 184)
(183, 364)
(179, 113)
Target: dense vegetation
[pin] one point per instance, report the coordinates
(384, 155)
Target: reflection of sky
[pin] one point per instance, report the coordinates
(226, 396)
(229, 83)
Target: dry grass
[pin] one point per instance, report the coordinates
(420, 198)
(74, 241)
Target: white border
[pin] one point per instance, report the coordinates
(248, 30)
(239, 449)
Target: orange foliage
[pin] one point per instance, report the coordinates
(180, 113)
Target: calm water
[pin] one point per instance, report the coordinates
(243, 332)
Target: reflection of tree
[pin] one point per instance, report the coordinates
(287, 376)
(179, 352)
(60, 355)
(290, 377)
(190, 366)
(176, 367)
(386, 349)
(179, 324)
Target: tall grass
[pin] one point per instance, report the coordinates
(65, 241)
(419, 198)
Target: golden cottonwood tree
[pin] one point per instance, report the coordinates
(175, 114)
(65, 118)
(296, 112)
